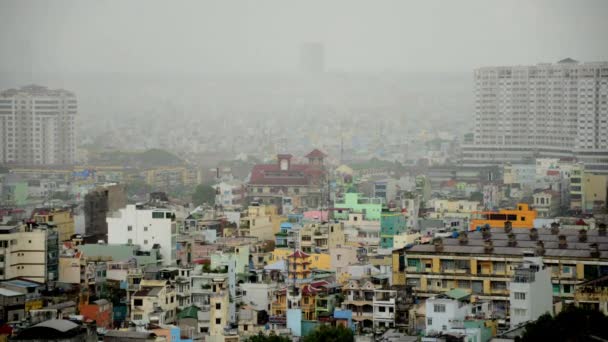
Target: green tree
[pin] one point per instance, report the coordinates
(331, 334)
(573, 324)
(270, 338)
(204, 193)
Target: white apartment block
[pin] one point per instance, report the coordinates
(546, 110)
(530, 291)
(147, 227)
(37, 126)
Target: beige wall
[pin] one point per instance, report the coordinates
(25, 256)
(69, 270)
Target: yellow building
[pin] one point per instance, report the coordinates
(261, 221)
(62, 218)
(484, 262)
(169, 176)
(218, 316)
(278, 307)
(321, 261)
(593, 294)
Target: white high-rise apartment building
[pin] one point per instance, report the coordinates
(37, 126)
(546, 110)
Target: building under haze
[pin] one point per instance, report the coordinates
(97, 204)
(37, 126)
(312, 57)
(546, 110)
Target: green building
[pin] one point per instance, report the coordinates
(391, 223)
(371, 208)
(15, 194)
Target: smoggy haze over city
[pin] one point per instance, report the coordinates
(263, 36)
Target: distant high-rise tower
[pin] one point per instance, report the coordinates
(545, 110)
(37, 126)
(312, 57)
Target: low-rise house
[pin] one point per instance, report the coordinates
(12, 306)
(451, 314)
(130, 336)
(359, 299)
(156, 301)
(384, 309)
(64, 309)
(546, 203)
(99, 311)
(530, 291)
(59, 330)
(593, 294)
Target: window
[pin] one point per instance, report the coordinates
(218, 321)
(168, 215)
(138, 302)
(218, 306)
(519, 312)
(145, 242)
(158, 215)
(245, 327)
(145, 229)
(137, 317)
(129, 228)
(339, 256)
(429, 321)
(520, 295)
(439, 307)
(381, 309)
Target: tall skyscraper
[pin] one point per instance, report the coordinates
(545, 110)
(312, 57)
(37, 126)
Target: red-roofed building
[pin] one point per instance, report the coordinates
(289, 184)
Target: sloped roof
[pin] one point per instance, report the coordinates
(189, 312)
(298, 254)
(458, 294)
(62, 325)
(316, 153)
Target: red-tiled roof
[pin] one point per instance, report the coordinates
(298, 254)
(271, 174)
(307, 290)
(316, 154)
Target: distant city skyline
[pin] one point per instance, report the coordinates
(216, 36)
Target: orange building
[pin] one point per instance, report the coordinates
(299, 264)
(522, 217)
(99, 311)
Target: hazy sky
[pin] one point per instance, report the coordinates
(259, 35)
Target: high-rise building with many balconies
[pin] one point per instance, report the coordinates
(37, 126)
(546, 110)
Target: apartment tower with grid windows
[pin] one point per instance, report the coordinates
(547, 110)
(37, 126)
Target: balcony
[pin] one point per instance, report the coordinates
(359, 316)
(308, 307)
(591, 295)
